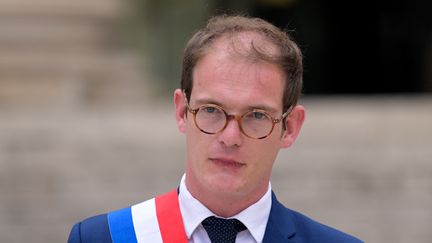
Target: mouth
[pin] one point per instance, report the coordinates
(228, 163)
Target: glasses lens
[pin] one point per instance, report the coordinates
(210, 119)
(257, 124)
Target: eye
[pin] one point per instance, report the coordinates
(209, 109)
(258, 115)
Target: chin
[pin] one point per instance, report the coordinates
(226, 184)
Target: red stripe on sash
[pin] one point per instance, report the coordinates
(169, 218)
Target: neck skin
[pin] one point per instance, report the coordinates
(225, 204)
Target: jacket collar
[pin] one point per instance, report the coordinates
(280, 225)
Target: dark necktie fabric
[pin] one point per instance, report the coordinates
(222, 230)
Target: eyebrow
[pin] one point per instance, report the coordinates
(264, 107)
(204, 101)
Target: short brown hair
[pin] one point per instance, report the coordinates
(289, 56)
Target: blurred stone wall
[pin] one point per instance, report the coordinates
(82, 133)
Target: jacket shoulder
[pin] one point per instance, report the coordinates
(313, 231)
(93, 229)
(286, 224)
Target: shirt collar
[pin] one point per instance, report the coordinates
(254, 217)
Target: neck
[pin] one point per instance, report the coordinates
(225, 204)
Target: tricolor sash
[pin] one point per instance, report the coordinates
(157, 220)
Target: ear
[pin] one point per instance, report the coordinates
(180, 110)
(293, 124)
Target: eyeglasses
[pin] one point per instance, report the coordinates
(256, 123)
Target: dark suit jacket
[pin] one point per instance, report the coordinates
(284, 225)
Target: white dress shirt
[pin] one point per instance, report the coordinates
(254, 217)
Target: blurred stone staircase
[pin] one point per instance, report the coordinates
(63, 53)
(64, 84)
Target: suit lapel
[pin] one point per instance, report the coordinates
(280, 225)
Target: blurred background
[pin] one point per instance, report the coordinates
(87, 124)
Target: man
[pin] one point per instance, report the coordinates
(237, 106)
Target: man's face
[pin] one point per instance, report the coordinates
(228, 163)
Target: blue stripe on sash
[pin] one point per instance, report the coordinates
(121, 226)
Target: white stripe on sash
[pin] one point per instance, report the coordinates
(145, 222)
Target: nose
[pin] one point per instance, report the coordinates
(231, 135)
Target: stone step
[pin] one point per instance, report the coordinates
(73, 82)
(95, 8)
(49, 31)
(40, 60)
(70, 76)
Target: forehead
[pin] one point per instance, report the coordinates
(228, 76)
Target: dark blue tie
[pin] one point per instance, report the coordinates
(222, 230)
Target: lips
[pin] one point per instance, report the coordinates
(227, 162)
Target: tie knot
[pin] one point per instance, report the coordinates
(222, 230)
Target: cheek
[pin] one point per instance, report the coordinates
(266, 152)
(191, 131)
(197, 142)
(267, 155)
